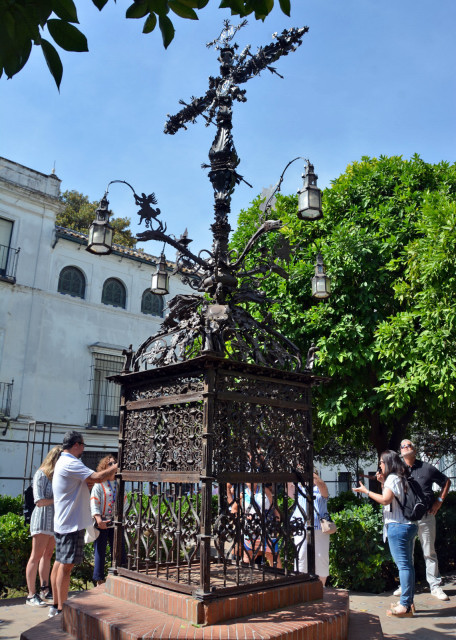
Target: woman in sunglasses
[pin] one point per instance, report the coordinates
(399, 531)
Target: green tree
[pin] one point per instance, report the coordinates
(79, 213)
(24, 23)
(387, 334)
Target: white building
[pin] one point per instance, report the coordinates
(65, 317)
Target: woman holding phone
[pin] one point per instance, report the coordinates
(399, 531)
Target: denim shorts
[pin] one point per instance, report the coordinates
(69, 547)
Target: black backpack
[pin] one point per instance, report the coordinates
(29, 504)
(415, 505)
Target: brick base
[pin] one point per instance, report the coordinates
(219, 610)
(96, 615)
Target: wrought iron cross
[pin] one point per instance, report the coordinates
(216, 105)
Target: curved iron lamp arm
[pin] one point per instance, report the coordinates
(155, 234)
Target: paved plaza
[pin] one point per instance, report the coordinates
(434, 620)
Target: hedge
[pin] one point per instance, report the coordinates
(359, 559)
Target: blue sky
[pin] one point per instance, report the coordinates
(371, 77)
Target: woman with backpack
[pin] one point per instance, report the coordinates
(42, 531)
(399, 530)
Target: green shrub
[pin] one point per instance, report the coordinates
(446, 534)
(11, 505)
(358, 558)
(15, 549)
(343, 501)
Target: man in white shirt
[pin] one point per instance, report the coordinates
(70, 485)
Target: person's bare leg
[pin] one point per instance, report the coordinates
(63, 583)
(55, 571)
(322, 579)
(39, 542)
(45, 562)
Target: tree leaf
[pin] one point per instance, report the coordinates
(167, 30)
(67, 36)
(285, 6)
(150, 23)
(53, 61)
(182, 10)
(99, 4)
(137, 10)
(66, 10)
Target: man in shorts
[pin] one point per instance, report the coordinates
(70, 484)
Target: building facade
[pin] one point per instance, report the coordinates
(65, 318)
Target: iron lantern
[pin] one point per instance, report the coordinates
(309, 201)
(321, 283)
(100, 231)
(160, 279)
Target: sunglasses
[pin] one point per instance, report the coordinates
(111, 464)
(406, 446)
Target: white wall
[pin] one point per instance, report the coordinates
(45, 336)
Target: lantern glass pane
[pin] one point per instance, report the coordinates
(314, 198)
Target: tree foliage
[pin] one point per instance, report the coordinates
(387, 335)
(24, 23)
(78, 214)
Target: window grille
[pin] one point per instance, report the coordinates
(72, 282)
(114, 293)
(152, 304)
(344, 481)
(6, 391)
(8, 255)
(92, 458)
(105, 395)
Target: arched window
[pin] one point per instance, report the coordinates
(152, 304)
(72, 282)
(114, 293)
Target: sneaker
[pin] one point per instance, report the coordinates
(437, 592)
(398, 592)
(35, 601)
(46, 593)
(53, 611)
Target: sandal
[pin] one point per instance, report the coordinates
(394, 613)
(397, 604)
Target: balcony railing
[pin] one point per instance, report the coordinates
(6, 393)
(8, 263)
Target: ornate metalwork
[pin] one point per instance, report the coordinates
(197, 439)
(215, 417)
(220, 321)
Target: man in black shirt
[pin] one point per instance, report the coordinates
(426, 475)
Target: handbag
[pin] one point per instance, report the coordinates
(91, 534)
(327, 526)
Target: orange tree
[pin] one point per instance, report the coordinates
(387, 334)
